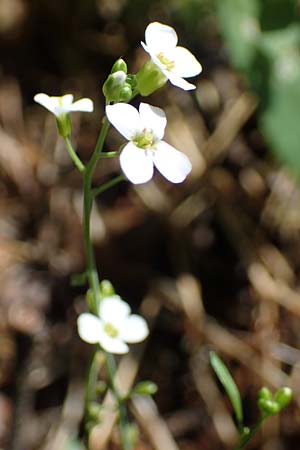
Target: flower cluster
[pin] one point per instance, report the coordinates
(114, 327)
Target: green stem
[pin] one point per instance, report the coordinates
(111, 371)
(109, 184)
(109, 154)
(90, 393)
(246, 438)
(77, 161)
(93, 278)
(87, 209)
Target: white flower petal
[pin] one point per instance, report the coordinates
(172, 164)
(125, 118)
(160, 37)
(186, 65)
(153, 118)
(84, 104)
(113, 310)
(136, 163)
(134, 329)
(89, 328)
(66, 101)
(113, 345)
(49, 103)
(179, 82)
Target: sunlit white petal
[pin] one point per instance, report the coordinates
(113, 309)
(113, 345)
(160, 37)
(84, 104)
(179, 82)
(89, 328)
(134, 329)
(46, 101)
(153, 118)
(171, 163)
(125, 118)
(186, 65)
(66, 101)
(136, 163)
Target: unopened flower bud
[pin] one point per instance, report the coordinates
(265, 393)
(283, 397)
(268, 407)
(113, 86)
(150, 78)
(106, 289)
(126, 93)
(145, 388)
(119, 65)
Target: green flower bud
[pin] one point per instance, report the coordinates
(94, 410)
(126, 93)
(283, 397)
(121, 65)
(64, 124)
(106, 289)
(268, 407)
(150, 78)
(113, 86)
(145, 388)
(131, 80)
(265, 394)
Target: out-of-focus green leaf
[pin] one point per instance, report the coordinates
(229, 385)
(263, 40)
(239, 24)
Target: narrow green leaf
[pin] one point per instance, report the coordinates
(229, 385)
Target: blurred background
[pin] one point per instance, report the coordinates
(212, 263)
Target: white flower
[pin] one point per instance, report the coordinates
(60, 106)
(145, 129)
(115, 326)
(175, 62)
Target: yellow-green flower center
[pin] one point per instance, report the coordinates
(110, 330)
(145, 139)
(169, 65)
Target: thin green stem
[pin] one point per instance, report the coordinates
(77, 161)
(109, 154)
(109, 184)
(111, 372)
(92, 378)
(246, 438)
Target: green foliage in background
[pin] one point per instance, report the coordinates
(263, 41)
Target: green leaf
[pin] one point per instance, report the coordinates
(239, 25)
(229, 385)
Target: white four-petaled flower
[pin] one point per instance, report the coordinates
(114, 328)
(174, 61)
(144, 128)
(63, 105)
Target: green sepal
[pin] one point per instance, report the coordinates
(150, 78)
(120, 64)
(64, 125)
